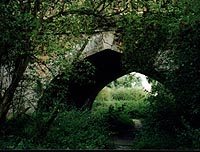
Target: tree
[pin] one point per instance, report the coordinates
(144, 28)
(169, 28)
(29, 28)
(15, 51)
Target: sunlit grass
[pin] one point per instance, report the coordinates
(133, 101)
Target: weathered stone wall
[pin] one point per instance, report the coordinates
(100, 42)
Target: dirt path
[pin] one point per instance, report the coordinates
(125, 140)
(122, 142)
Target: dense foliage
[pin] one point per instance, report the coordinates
(42, 40)
(156, 111)
(71, 129)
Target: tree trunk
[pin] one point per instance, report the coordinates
(6, 100)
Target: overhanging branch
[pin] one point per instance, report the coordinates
(88, 12)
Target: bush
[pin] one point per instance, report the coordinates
(121, 93)
(152, 139)
(135, 109)
(72, 129)
(132, 99)
(104, 94)
(138, 109)
(134, 94)
(162, 122)
(162, 112)
(78, 130)
(119, 120)
(183, 139)
(19, 133)
(189, 137)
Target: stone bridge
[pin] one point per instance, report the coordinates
(104, 54)
(101, 62)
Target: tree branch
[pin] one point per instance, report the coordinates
(88, 12)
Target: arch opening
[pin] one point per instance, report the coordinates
(109, 66)
(133, 86)
(82, 86)
(124, 103)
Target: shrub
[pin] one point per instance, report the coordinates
(119, 120)
(137, 109)
(78, 130)
(131, 98)
(162, 112)
(189, 137)
(160, 125)
(19, 133)
(152, 139)
(104, 94)
(127, 94)
(73, 129)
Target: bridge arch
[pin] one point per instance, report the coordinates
(104, 55)
(108, 66)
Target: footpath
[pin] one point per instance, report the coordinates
(125, 140)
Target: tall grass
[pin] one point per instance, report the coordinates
(121, 93)
(132, 99)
